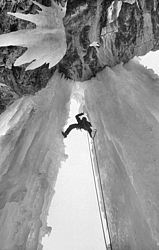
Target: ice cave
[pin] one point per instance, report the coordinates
(54, 52)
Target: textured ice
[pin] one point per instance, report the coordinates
(46, 43)
(130, 1)
(115, 8)
(123, 104)
(114, 11)
(32, 149)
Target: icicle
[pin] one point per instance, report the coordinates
(46, 43)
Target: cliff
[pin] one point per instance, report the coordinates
(99, 33)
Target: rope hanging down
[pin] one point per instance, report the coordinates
(102, 194)
(98, 199)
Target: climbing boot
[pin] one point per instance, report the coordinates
(64, 135)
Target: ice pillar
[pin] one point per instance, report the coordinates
(31, 149)
(123, 104)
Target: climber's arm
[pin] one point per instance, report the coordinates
(77, 117)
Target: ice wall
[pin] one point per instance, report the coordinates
(32, 149)
(123, 104)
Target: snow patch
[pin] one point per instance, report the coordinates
(114, 10)
(130, 1)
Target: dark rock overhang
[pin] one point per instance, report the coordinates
(99, 33)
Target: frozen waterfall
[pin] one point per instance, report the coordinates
(31, 153)
(123, 104)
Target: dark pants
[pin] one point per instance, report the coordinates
(77, 126)
(89, 130)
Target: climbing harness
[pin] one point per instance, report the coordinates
(102, 193)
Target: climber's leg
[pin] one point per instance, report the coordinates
(68, 130)
(89, 131)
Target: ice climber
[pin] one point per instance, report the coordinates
(82, 124)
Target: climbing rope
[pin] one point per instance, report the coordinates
(98, 199)
(102, 193)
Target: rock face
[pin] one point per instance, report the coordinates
(99, 33)
(123, 29)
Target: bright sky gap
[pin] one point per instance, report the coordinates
(74, 213)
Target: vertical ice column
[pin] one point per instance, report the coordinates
(123, 104)
(31, 149)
